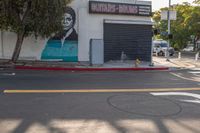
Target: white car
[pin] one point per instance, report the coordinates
(189, 48)
(160, 47)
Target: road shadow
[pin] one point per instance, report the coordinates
(75, 113)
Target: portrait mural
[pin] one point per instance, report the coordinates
(64, 45)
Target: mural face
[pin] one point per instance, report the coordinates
(64, 45)
(67, 21)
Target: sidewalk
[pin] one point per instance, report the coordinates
(109, 66)
(160, 63)
(186, 61)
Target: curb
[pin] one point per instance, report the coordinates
(88, 69)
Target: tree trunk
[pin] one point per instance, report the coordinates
(15, 56)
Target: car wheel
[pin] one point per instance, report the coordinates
(161, 53)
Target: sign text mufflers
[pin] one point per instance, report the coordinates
(119, 8)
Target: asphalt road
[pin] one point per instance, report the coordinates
(100, 102)
(95, 80)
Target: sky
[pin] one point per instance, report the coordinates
(157, 4)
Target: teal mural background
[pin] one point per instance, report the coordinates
(67, 52)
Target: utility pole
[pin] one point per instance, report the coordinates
(2, 48)
(169, 30)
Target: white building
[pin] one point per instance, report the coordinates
(123, 25)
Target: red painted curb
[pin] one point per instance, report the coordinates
(87, 69)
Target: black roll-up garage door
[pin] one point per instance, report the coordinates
(131, 39)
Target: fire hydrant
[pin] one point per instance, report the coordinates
(137, 62)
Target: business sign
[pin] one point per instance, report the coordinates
(119, 8)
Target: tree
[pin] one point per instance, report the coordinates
(193, 23)
(31, 17)
(179, 27)
(187, 24)
(197, 2)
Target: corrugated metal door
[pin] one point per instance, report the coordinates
(131, 39)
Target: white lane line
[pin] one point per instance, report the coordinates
(8, 74)
(191, 101)
(194, 72)
(196, 96)
(195, 69)
(177, 94)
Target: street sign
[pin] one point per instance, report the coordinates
(164, 14)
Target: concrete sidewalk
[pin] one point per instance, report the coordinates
(185, 61)
(108, 66)
(160, 63)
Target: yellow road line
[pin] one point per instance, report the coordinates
(102, 90)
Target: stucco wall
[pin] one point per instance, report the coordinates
(87, 25)
(31, 48)
(91, 25)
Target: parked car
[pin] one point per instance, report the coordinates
(189, 48)
(160, 47)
